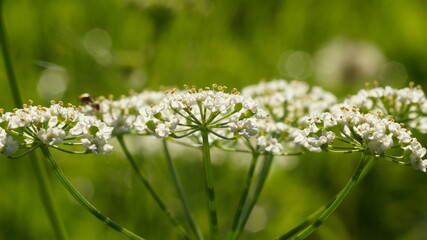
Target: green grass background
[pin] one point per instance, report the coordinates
(150, 44)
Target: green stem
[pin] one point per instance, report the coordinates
(70, 152)
(7, 61)
(24, 153)
(307, 222)
(396, 160)
(46, 196)
(40, 172)
(196, 121)
(254, 195)
(362, 168)
(220, 136)
(151, 190)
(80, 199)
(210, 191)
(180, 191)
(244, 196)
(315, 215)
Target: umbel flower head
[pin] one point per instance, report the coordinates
(272, 134)
(119, 114)
(348, 130)
(407, 105)
(289, 101)
(186, 113)
(32, 126)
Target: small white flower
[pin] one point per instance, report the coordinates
(418, 152)
(51, 136)
(167, 128)
(380, 142)
(269, 144)
(97, 145)
(79, 129)
(7, 144)
(11, 146)
(245, 127)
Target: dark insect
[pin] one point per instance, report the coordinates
(85, 99)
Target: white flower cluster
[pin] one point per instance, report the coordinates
(119, 114)
(185, 113)
(289, 101)
(50, 126)
(360, 131)
(272, 134)
(407, 105)
(7, 144)
(269, 144)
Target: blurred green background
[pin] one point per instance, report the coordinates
(61, 49)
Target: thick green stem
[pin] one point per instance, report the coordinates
(362, 168)
(151, 190)
(39, 170)
(253, 195)
(210, 190)
(181, 194)
(244, 196)
(80, 199)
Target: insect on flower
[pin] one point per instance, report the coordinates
(86, 99)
